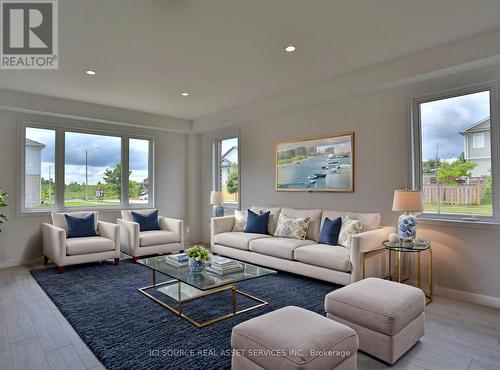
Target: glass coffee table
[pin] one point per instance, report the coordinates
(187, 286)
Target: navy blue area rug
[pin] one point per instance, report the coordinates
(127, 330)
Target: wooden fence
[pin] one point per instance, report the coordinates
(461, 194)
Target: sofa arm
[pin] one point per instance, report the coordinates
(220, 225)
(175, 225)
(129, 235)
(54, 243)
(363, 242)
(110, 231)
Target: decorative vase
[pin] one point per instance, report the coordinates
(407, 226)
(196, 266)
(219, 211)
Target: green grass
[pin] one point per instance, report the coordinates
(87, 203)
(480, 210)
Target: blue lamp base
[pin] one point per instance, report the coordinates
(219, 211)
(407, 226)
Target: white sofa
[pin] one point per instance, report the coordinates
(307, 257)
(65, 251)
(137, 244)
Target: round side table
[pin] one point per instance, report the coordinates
(418, 247)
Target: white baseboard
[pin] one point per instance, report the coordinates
(462, 295)
(19, 262)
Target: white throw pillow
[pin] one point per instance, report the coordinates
(240, 220)
(350, 227)
(295, 228)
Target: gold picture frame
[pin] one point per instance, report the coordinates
(317, 164)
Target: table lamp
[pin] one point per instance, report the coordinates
(407, 201)
(216, 200)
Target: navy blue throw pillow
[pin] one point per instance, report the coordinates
(256, 223)
(147, 222)
(80, 227)
(330, 231)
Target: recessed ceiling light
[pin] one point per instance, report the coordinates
(90, 72)
(185, 94)
(290, 48)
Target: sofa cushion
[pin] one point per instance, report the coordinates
(301, 338)
(257, 222)
(332, 257)
(157, 237)
(148, 221)
(273, 216)
(370, 221)
(295, 228)
(278, 247)
(88, 245)
(240, 220)
(59, 218)
(377, 304)
(127, 214)
(237, 239)
(80, 226)
(314, 216)
(330, 231)
(349, 229)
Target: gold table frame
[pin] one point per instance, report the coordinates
(180, 301)
(429, 293)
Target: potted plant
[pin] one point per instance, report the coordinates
(198, 256)
(3, 203)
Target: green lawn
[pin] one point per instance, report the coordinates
(481, 210)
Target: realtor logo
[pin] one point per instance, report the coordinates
(29, 35)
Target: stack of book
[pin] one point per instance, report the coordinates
(179, 259)
(223, 266)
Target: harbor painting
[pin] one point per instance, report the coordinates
(316, 164)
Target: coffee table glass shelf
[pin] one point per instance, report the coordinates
(187, 286)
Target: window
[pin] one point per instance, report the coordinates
(39, 168)
(454, 162)
(92, 170)
(478, 140)
(66, 169)
(227, 175)
(138, 180)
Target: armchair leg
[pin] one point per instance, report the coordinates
(45, 260)
(60, 270)
(134, 259)
(117, 261)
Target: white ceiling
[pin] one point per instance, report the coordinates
(230, 52)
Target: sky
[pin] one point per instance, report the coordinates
(106, 154)
(442, 120)
(228, 144)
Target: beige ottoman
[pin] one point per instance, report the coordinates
(293, 338)
(387, 316)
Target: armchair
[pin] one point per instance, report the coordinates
(138, 243)
(65, 251)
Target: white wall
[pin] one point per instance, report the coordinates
(20, 240)
(466, 258)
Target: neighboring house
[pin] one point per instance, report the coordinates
(33, 173)
(227, 159)
(477, 146)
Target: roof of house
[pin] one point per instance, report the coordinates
(34, 143)
(474, 127)
(228, 152)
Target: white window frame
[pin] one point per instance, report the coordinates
(59, 172)
(216, 167)
(416, 148)
(480, 144)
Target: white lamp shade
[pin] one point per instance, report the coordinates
(216, 198)
(407, 201)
